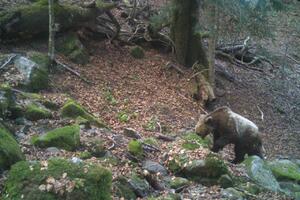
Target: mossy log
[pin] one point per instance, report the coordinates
(31, 20)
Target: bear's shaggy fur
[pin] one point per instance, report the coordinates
(228, 127)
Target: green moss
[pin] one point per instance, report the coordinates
(151, 125)
(34, 113)
(10, 151)
(123, 116)
(137, 52)
(285, 170)
(193, 141)
(216, 166)
(176, 164)
(98, 148)
(135, 148)
(67, 138)
(73, 110)
(39, 78)
(84, 155)
(91, 182)
(123, 189)
(71, 47)
(104, 5)
(6, 99)
(178, 182)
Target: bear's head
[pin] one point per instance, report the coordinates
(204, 127)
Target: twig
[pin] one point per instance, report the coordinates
(172, 65)
(165, 138)
(150, 147)
(8, 61)
(160, 129)
(72, 71)
(261, 112)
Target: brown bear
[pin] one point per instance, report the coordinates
(229, 127)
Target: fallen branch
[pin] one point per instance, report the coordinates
(8, 61)
(148, 147)
(115, 22)
(164, 137)
(174, 66)
(72, 71)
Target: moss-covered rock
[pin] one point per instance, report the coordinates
(177, 163)
(57, 179)
(135, 148)
(73, 110)
(178, 182)
(206, 171)
(34, 113)
(123, 189)
(261, 173)
(67, 138)
(71, 46)
(285, 170)
(10, 151)
(85, 155)
(225, 181)
(139, 185)
(137, 52)
(6, 99)
(97, 148)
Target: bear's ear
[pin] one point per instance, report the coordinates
(208, 120)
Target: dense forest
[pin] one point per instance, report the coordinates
(149, 99)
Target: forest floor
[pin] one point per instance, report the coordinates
(144, 90)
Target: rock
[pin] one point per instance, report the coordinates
(10, 151)
(260, 173)
(34, 70)
(137, 52)
(67, 138)
(123, 189)
(135, 148)
(250, 187)
(154, 167)
(225, 181)
(290, 188)
(72, 47)
(285, 170)
(76, 160)
(34, 113)
(73, 110)
(178, 182)
(206, 171)
(129, 132)
(6, 99)
(232, 194)
(169, 196)
(140, 186)
(53, 150)
(57, 179)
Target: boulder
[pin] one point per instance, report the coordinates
(67, 138)
(123, 189)
(225, 181)
(206, 171)
(72, 47)
(178, 182)
(232, 194)
(73, 110)
(261, 173)
(154, 167)
(34, 71)
(285, 170)
(10, 151)
(57, 179)
(33, 112)
(6, 99)
(140, 186)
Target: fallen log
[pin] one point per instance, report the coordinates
(26, 21)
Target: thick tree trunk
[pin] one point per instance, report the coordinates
(31, 20)
(188, 45)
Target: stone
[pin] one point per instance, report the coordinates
(232, 194)
(225, 181)
(261, 173)
(53, 150)
(130, 132)
(140, 186)
(285, 170)
(123, 189)
(34, 70)
(10, 151)
(6, 99)
(67, 138)
(57, 179)
(154, 167)
(33, 112)
(178, 182)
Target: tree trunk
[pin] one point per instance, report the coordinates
(188, 45)
(51, 32)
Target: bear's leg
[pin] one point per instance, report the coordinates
(239, 153)
(219, 144)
